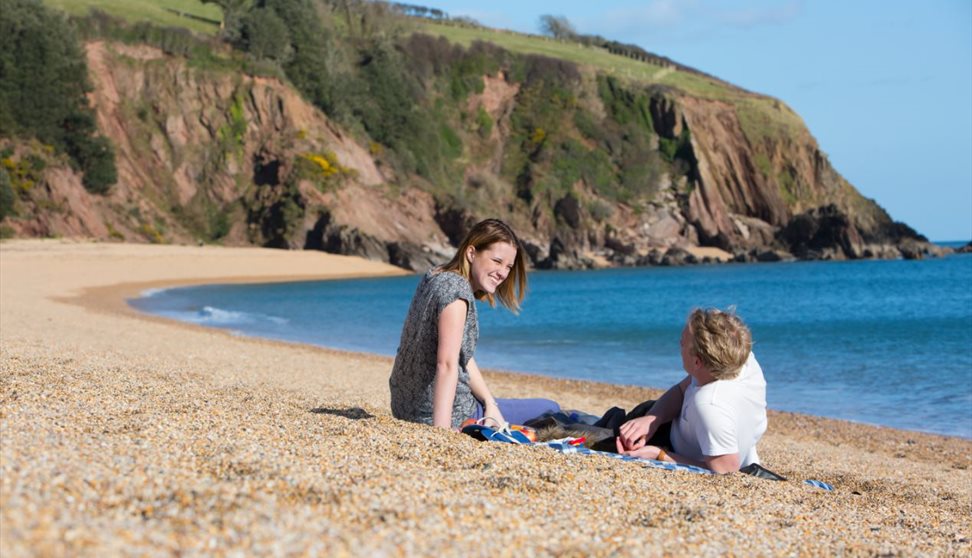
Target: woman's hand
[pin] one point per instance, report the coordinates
(491, 410)
(647, 452)
(481, 392)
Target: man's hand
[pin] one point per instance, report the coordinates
(636, 432)
(647, 452)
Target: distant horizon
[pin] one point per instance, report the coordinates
(884, 87)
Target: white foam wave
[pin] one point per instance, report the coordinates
(148, 293)
(210, 315)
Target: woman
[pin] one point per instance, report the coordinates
(435, 379)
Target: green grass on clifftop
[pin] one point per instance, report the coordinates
(760, 116)
(593, 57)
(191, 14)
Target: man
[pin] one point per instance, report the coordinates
(718, 412)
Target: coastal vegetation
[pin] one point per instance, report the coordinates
(599, 151)
(43, 83)
(180, 14)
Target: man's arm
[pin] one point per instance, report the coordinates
(720, 464)
(636, 432)
(716, 433)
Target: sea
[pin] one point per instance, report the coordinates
(885, 342)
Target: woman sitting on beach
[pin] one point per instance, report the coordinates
(435, 379)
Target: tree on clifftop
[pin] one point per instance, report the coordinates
(233, 13)
(557, 27)
(43, 83)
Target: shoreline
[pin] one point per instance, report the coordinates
(115, 298)
(129, 433)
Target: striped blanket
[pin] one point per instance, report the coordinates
(565, 446)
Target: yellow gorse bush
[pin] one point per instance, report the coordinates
(539, 134)
(326, 167)
(22, 174)
(323, 166)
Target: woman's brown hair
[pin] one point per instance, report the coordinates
(483, 235)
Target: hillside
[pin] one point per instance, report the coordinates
(346, 127)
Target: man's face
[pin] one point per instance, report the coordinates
(690, 362)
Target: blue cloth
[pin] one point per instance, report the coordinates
(819, 484)
(654, 464)
(488, 434)
(519, 411)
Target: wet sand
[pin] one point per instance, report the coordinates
(127, 434)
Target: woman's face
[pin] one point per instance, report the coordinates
(489, 267)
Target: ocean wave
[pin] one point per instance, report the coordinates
(210, 315)
(149, 293)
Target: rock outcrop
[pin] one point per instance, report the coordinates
(207, 156)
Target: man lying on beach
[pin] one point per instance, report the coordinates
(714, 417)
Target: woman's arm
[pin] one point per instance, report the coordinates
(451, 323)
(481, 392)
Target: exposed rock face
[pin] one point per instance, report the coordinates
(823, 233)
(728, 181)
(780, 197)
(191, 143)
(206, 156)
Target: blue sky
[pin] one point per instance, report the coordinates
(884, 86)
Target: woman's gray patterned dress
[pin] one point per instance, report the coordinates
(413, 375)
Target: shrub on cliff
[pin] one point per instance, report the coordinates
(7, 195)
(264, 35)
(97, 161)
(233, 13)
(311, 43)
(43, 82)
(623, 104)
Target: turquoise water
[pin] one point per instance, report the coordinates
(881, 342)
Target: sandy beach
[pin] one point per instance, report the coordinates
(125, 434)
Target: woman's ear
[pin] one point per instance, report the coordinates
(470, 253)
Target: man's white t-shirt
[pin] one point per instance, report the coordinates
(722, 417)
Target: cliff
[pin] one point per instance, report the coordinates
(209, 155)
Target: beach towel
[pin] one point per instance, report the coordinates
(564, 446)
(569, 446)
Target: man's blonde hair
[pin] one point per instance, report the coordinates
(721, 341)
(483, 235)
